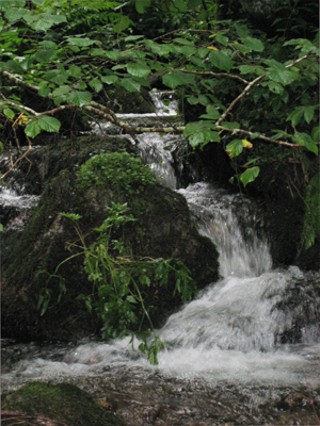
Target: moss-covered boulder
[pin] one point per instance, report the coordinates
(39, 302)
(62, 404)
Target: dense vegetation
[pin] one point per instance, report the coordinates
(246, 74)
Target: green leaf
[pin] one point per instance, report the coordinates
(252, 44)
(7, 4)
(96, 85)
(212, 113)
(306, 140)
(130, 85)
(249, 175)
(175, 79)
(1, 227)
(279, 73)
(9, 113)
(221, 60)
(44, 21)
(200, 133)
(42, 123)
(251, 69)
(79, 98)
(142, 5)
(32, 129)
(49, 124)
(82, 41)
(230, 125)
(15, 14)
(123, 22)
(138, 70)
(234, 148)
(296, 115)
(309, 113)
(109, 79)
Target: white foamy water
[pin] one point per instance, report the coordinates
(10, 198)
(232, 332)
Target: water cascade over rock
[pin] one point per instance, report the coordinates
(235, 354)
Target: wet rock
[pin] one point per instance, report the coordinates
(163, 228)
(55, 405)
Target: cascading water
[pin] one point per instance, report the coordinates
(232, 334)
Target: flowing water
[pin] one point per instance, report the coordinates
(227, 356)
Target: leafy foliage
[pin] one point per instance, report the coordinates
(254, 79)
(120, 282)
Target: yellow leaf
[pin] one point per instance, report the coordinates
(230, 152)
(214, 48)
(246, 144)
(22, 120)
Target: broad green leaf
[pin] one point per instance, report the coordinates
(61, 91)
(130, 85)
(306, 140)
(122, 24)
(45, 55)
(159, 49)
(44, 21)
(138, 70)
(230, 125)
(296, 115)
(1, 227)
(212, 113)
(309, 113)
(49, 124)
(142, 5)
(7, 4)
(222, 39)
(177, 78)
(200, 133)
(79, 98)
(306, 46)
(109, 79)
(249, 175)
(221, 60)
(42, 123)
(252, 44)
(82, 41)
(96, 85)
(9, 113)
(15, 14)
(279, 73)
(251, 69)
(234, 148)
(198, 100)
(32, 129)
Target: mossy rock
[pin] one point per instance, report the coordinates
(63, 403)
(163, 229)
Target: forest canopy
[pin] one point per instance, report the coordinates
(246, 73)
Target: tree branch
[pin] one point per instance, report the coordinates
(248, 88)
(215, 74)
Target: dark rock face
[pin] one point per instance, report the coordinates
(163, 228)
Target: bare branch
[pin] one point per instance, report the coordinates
(215, 74)
(260, 136)
(248, 88)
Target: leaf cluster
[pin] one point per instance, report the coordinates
(121, 283)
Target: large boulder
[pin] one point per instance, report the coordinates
(163, 228)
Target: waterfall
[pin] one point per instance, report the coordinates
(234, 331)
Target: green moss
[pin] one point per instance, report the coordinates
(120, 170)
(63, 403)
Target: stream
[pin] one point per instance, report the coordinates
(228, 357)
